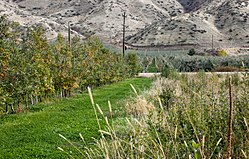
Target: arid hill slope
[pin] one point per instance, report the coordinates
(149, 22)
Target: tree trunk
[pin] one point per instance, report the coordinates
(61, 94)
(12, 108)
(40, 99)
(31, 100)
(6, 108)
(27, 101)
(46, 95)
(36, 99)
(19, 105)
(65, 93)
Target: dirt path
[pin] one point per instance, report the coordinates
(151, 75)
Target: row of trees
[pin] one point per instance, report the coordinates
(33, 69)
(196, 63)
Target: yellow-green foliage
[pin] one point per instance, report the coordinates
(222, 53)
(34, 67)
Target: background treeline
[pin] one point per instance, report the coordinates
(196, 63)
(33, 69)
(216, 64)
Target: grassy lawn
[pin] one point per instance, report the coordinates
(35, 134)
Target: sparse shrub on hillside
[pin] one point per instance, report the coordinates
(191, 52)
(222, 53)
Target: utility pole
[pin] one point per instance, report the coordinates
(69, 35)
(124, 16)
(212, 42)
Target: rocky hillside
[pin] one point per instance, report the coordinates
(149, 22)
(224, 22)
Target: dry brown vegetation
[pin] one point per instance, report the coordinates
(188, 119)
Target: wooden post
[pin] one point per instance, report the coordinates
(124, 16)
(6, 108)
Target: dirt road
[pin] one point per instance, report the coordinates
(151, 75)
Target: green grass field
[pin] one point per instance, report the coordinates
(35, 134)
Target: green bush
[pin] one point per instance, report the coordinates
(191, 52)
(166, 71)
(133, 63)
(169, 72)
(222, 53)
(194, 65)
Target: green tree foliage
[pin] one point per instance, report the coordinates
(64, 81)
(133, 65)
(11, 73)
(38, 62)
(32, 69)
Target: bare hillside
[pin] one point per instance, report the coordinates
(225, 22)
(149, 22)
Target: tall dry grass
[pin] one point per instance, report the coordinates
(179, 118)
